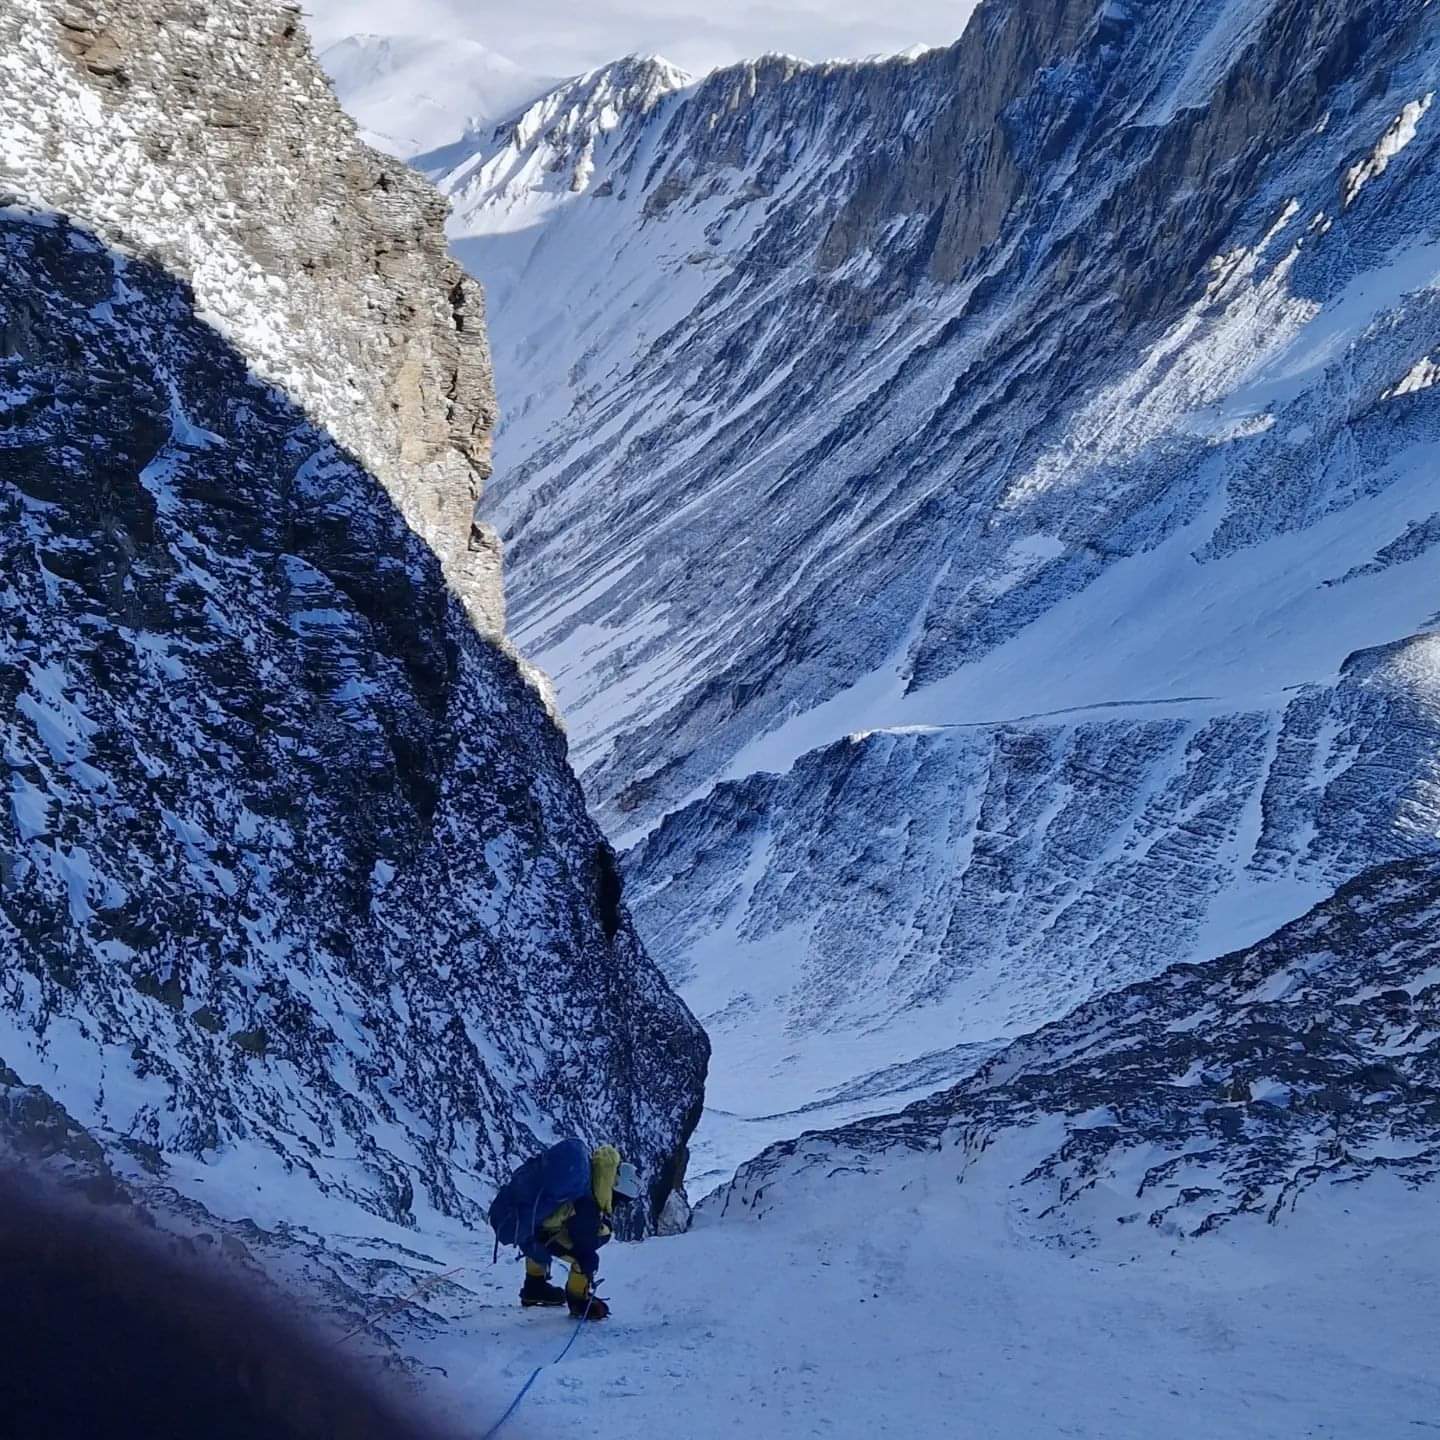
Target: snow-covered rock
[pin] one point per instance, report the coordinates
(303, 922)
(209, 141)
(1051, 410)
(413, 93)
(1306, 1063)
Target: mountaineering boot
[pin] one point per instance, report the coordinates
(587, 1307)
(537, 1289)
(584, 1303)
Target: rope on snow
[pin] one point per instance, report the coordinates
(537, 1372)
(394, 1305)
(432, 1280)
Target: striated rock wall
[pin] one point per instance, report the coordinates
(204, 137)
(956, 334)
(940, 887)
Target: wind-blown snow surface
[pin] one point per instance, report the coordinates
(412, 93)
(915, 1312)
(1201, 1206)
(1050, 414)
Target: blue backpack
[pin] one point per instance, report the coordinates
(542, 1184)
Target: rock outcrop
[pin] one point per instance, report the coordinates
(205, 139)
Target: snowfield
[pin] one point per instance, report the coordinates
(1203, 1205)
(892, 1305)
(896, 1299)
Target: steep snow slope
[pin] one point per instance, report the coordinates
(412, 93)
(1202, 1206)
(914, 1313)
(914, 894)
(302, 915)
(1217, 1091)
(517, 221)
(1058, 404)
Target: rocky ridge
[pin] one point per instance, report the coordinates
(206, 139)
(294, 853)
(1230, 1089)
(305, 932)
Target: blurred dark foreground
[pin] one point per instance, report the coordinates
(105, 1334)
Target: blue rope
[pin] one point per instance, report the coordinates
(514, 1405)
(535, 1375)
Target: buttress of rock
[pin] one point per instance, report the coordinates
(205, 137)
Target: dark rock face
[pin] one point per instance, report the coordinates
(296, 878)
(1217, 1090)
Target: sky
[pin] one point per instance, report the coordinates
(559, 37)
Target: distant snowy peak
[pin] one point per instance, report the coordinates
(910, 52)
(576, 114)
(551, 146)
(411, 94)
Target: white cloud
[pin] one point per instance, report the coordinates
(566, 36)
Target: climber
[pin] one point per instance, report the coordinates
(560, 1205)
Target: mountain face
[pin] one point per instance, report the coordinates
(301, 911)
(982, 541)
(335, 284)
(1244, 1087)
(413, 93)
(898, 899)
